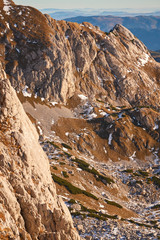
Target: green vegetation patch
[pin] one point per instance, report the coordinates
(67, 154)
(86, 167)
(143, 173)
(156, 206)
(65, 174)
(53, 144)
(128, 171)
(113, 203)
(55, 168)
(71, 201)
(142, 224)
(72, 189)
(61, 163)
(66, 146)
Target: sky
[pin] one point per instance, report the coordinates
(106, 4)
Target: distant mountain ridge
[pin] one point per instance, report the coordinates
(60, 14)
(146, 28)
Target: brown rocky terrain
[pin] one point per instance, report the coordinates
(94, 99)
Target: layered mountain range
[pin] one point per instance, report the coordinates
(94, 98)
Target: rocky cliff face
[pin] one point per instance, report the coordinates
(29, 206)
(55, 59)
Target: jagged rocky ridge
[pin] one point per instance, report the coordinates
(29, 206)
(55, 58)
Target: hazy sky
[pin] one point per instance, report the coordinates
(91, 3)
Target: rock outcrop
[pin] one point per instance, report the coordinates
(29, 206)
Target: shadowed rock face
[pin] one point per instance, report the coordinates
(56, 59)
(29, 206)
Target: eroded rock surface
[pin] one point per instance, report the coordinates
(29, 206)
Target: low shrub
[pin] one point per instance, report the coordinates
(128, 171)
(86, 167)
(113, 203)
(71, 201)
(66, 146)
(143, 173)
(72, 189)
(55, 168)
(65, 174)
(156, 206)
(61, 163)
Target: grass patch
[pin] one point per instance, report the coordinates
(55, 168)
(156, 206)
(86, 167)
(128, 171)
(66, 146)
(71, 201)
(142, 224)
(67, 154)
(61, 163)
(65, 174)
(143, 173)
(72, 189)
(113, 203)
(101, 216)
(94, 214)
(53, 144)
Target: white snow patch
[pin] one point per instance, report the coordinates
(35, 96)
(18, 50)
(26, 93)
(156, 126)
(91, 116)
(7, 25)
(144, 60)
(40, 130)
(66, 37)
(133, 156)
(101, 206)
(79, 169)
(54, 103)
(20, 13)
(110, 139)
(103, 113)
(42, 99)
(53, 121)
(82, 97)
(105, 150)
(67, 134)
(65, 149)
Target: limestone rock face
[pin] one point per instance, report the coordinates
(56, 59)
(29, 206)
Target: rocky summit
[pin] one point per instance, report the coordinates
(94, 100)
